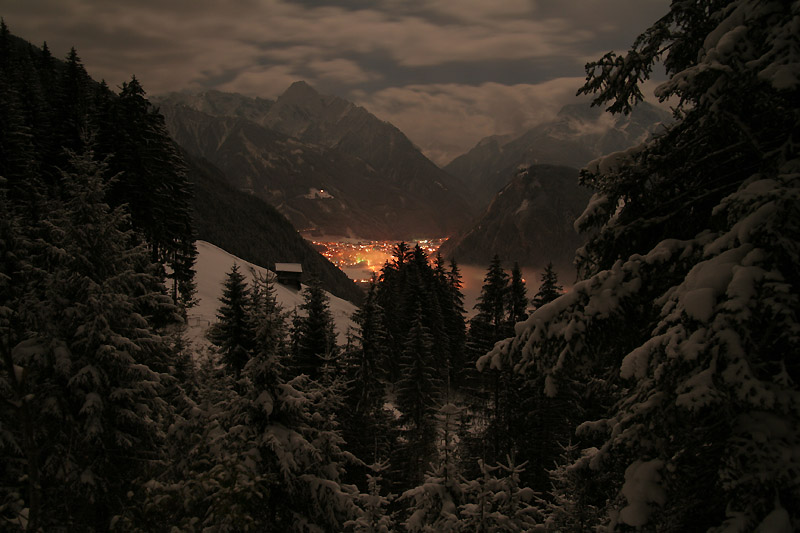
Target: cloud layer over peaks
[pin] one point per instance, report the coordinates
(444, 71)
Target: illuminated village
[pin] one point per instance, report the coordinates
(359, 259)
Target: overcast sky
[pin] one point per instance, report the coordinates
(446, 72)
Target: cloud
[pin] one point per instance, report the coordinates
(446, 120)
(179, 43)
(341, 70)
(431, 67)
(481, 10)
(261, 80)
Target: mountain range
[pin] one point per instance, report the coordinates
(528, 184)
(578, 134)
(329, 166)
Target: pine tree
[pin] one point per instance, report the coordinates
(316, 333)
(364, 421)
(549, 290)
(233, 333)
(418, 394)
(518, 298)
(85, 362)
(679, 337)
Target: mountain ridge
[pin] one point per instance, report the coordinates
(529, 221)
(577, 135)
(378, 184)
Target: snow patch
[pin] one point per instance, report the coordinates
(642, 489)
(612, 162)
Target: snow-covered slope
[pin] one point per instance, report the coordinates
(213, 263)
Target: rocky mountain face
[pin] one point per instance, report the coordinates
(330, 121)
(528, 221)
(328, 165)
(578, 134)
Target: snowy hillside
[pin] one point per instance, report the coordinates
(213, 263)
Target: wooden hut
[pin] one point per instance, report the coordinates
(289, 274)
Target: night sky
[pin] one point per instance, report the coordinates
(446, 72)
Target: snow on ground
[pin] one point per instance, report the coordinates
(213, 263)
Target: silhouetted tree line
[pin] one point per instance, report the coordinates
(96, 267)
(52, 109)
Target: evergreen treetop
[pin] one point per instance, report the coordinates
(316, 333)
(518, 298)
(233, 333)
(549, 289)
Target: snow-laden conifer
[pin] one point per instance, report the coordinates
(433, 505)
(88, 387)
(687, 313)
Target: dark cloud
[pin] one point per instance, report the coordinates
(487, 57)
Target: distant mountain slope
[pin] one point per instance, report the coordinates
(314, 187)
(579, 134)
(529, 221)
(325, 163)
(253, 230)
(303, 113)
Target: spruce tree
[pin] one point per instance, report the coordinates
(259, 453)
(456, 325)
(71, 112)
(364, 422)
(233, 333)
(518, 298)
(268, 320)
(448, 292)
(153, 183)
(489, 325)
(376, 517)
(418, 395)
(316, 333)
(85, 358)
(549, 289)
(494, 391)
(498, 501)
(434, 503)
(679, 336)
